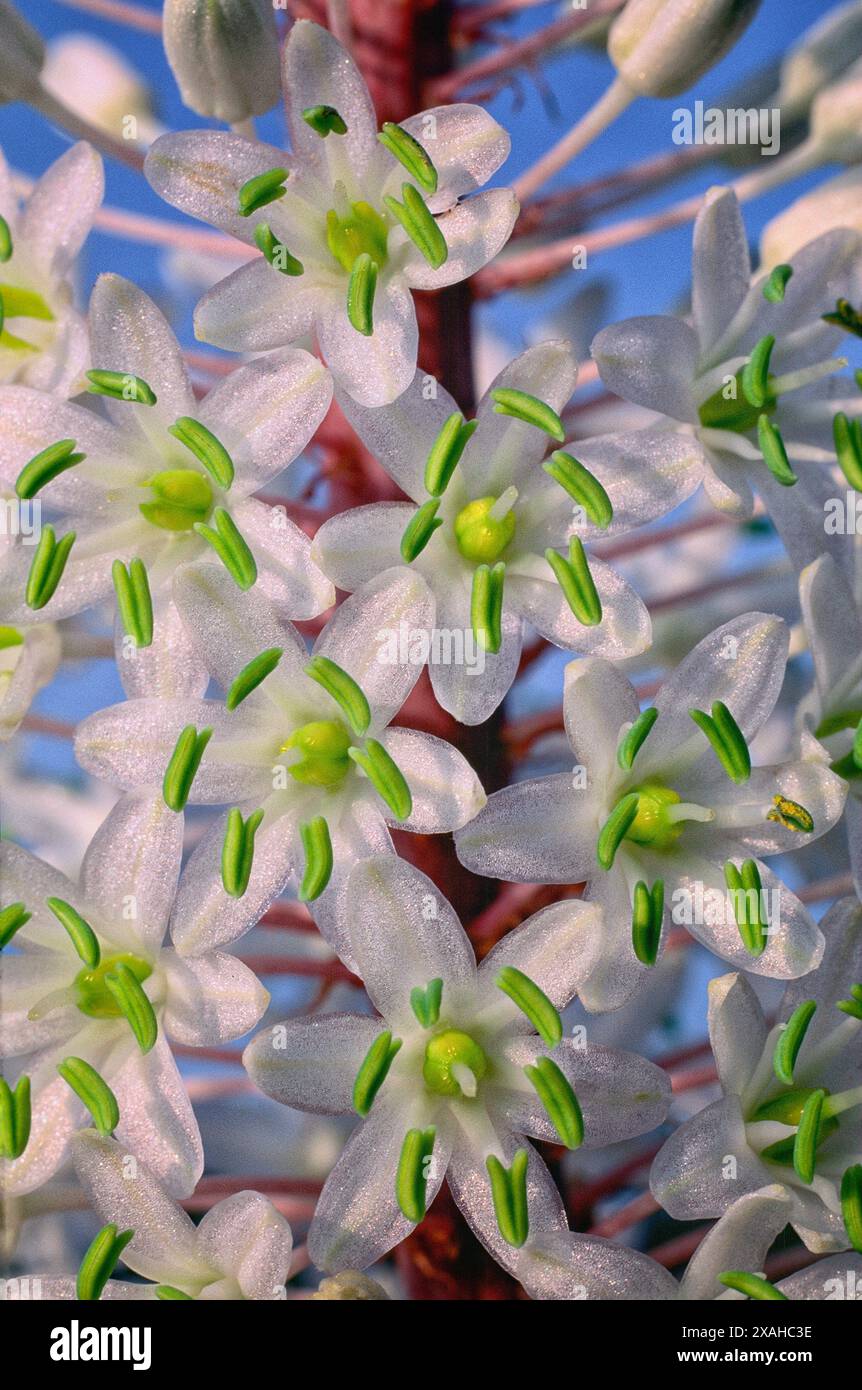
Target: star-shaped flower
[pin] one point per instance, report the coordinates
(494, 533)
(302, 748)
(461, 1064)
(43, 339)
(665, 818)
(161, 483)
(348, 223)
(792, 1105)
(750, 378)
(91, 978)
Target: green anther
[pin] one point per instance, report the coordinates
(582, 486)
(790, 814)
(261, 190)
(509, 1192)
(577, 583)
(92, 995)
(275, 251)
(425, 1003)
(728, 409)
(183, 496)
(317, 846)
(410, 154)
(752, 1285)
(323, 744)
(446, 452)
(12, 919)
(419, 224)
(374, 1071)
(410, 1180)
(419, 530)
(81, 934)
(229, 545)
(237, 851)
(5, 242)
(166, 1293)
(522, 406)
(852, 1006)
(343, 689)
(485, 527)
(128, 994)
(851, 1205)
(774, 286)
(559, 1100)
(755, 373)
(120, 386)
(791, 1040)
(727, 740)
(100, 1262)
(206, 448)
(183, 765)
(10, 637)
(454, 1064)
(837, 723)
(647, 919)
(46, 466)
(616, 828)
(746, 887)
(385, 775)
(362, 230)
(808, 1137)
(134, 600)
(845, 317)
(251, 676)
(47, 566)
(783, 1150)
(847, 435)
(24, 304)
(785, 1109)
(630, 744)
(774, 452)
(486, 606)
(361, 290)
(325, 120)
(14, 1117)
(93, 1090)
(533, 1003)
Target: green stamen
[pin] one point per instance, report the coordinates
(454, 1064)
(15, 1116)
(134, 601)
(317, 846)
(791, 814)
(851, 1205)
(5, 242)
(93, 1090)
(410, 1180)
(559, 1100)
(752, 1285)
(166, 1293)
(631, 742)
(419, 224)
(852, 1006)
(47, 566)
(385, 775)
(410, 154)
(419, 530)
(533, 1003)
(582, 486)
(808, 1137)
(261, 190)
(647, 919)
(324, 120)
(361, 290)
(251, 676)
(231, 548)
(522, 406)
(446, 452)
(343, 689)
(46, 466)
(755, 373)
(577, 583)
(237, 852)
(837, 723)
(374, 1071)
(12, 919)
(615, 829)
(774, 286)
(727, 740)
(81, 934)
(486, 606)
(845, 317)
(509, 1193)
(128, 994)
(100, 1262)
(791, 1040)
(275, 251)
(425, 1003)
(183, 765)
(745, 887)
(847, 435)
(774, 452)
(206, 448)
(183, 497)
(120, 386)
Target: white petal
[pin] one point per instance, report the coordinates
(359, 832)
(319, 72)
(376, 369)
(33, 420)
(465, 144)
(721, 265)
(556, 948)
(625, 629)
(311, 1063)
(475, 231)
(169, 666)
(27, 978)
(37, 663)
(737, 1031)
(565, 1266)
(400, 434)
(841, 966)
(470, 690)
(55, 1115)
(691, 1177)
(538, 831)
(650, 361)
(832, 623)
(156, 1119)
(128, 333)
(740, 1240)
(130, 871)
(256, 308)
(245, 1237)
(201, 172)
(446, 791)
(60, 211)
(356, 546)
(211, 998)
(829, 1278)
(646, 474)
(286, 573)
(598, 702)
(504, 449)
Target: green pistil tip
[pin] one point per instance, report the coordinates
(808, 1137)
(230, 546)
(582, 486)
(419, 224)
(182, 497)
(533, 1003)
(411, 1179)
(727, 740)
(15, 1116)
(752, 1285)
(120, 386)
(344, 690)
(774, 452)
(100, 1262)
(324, 120)
(776, 283)
(385, 775)
(454, 1064)
(558, 1098)
(262, 189)
(446, 453)
(419, 530)
(206, 448)
(46, 466)
(647, 920)
(93, 1090)
(845, 317)
(791, 1040)
(408, 151)
(631, 742)
(252, 675)
(317, 847)
(81, 934)
(134, 601)
(847, 436)
(12, 919)
(615, 829)
(576, 581)
(746, 887)
(755, 373)
(275, 251)
(509, 1193)
(128, 994)
(182, 768)
(522, 406)
(425, 1003)
(374, 1071)
(851, 1205)
(237, 854)
(47, 567)
(790, 814)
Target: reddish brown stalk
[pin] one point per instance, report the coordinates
(635, 1211)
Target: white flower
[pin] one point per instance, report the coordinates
(142, 493)
(452, 1075)
(224, 55)
(748, 378)
(43, 342)
(94, 80)
(56, 1004)
(568, 1266)
(29, 657)
(290, 749)
(334, 223)
(660, 817)
(501, 511)
(749, 1138)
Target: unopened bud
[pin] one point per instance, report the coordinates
(835, 203)
(836, 118)
(224, 55)
(661, 47)
(22, 54)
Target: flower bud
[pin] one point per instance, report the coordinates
(224, 55)
(661, 47)
(836, 118)
(835, 203)
(823, 53)
(22, 54)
